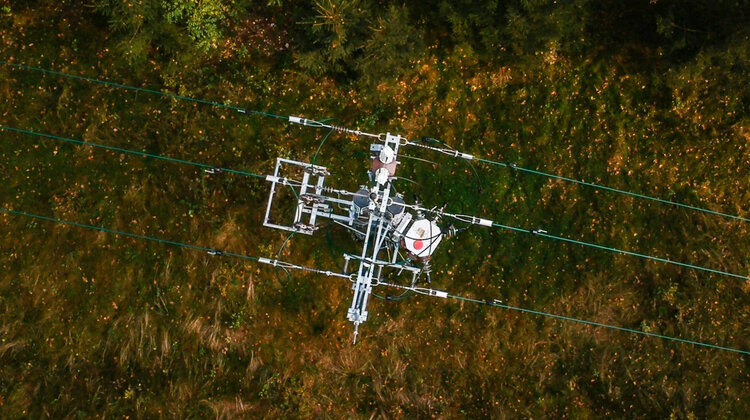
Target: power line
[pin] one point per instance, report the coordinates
(544, 234)
(428, 292)
(291, 119)
(320, 124)
(156, 92)
(208, 168)
(312, 123)
(597, 324)
(615, 190)
(210, 251)
(539, 232)
(499, 304)
(457, 154)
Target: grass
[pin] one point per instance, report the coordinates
(93, 325)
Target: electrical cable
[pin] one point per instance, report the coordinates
(620, 251)
(615, 190)
(210, 251)
(317, 124)
(452, 152)
(208, 168)
(419, 159)
(597, 324)
(425, 291)
(473, 169)
(544, 234)
(320, 146)
(292, 119)
(497, 303)
(402, 296)
(278, 257)
(152, 91)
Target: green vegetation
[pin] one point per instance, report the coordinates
(647, 96)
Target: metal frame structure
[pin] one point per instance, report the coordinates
(376, 215)
(369, 207)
